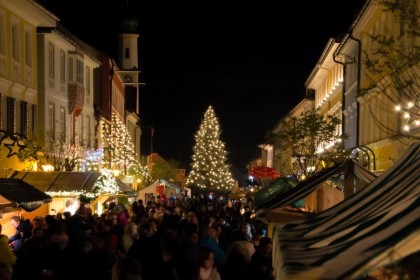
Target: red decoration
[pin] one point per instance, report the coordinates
(264, 172)
(159, 189)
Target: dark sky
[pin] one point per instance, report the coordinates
(247, 59)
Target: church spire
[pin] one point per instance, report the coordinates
(128, 24)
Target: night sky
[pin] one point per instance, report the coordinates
(247, 59)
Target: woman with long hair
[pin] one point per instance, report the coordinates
(204, 265)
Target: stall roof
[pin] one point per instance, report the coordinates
(56, 181)
(17, 193)
(376, 226)
(348, 168)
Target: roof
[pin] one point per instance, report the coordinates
(164, 182)
(348, 168)
(125, 189)
(66, 181)
(376, 226)
(17, 193)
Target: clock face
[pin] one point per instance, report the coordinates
(128, 79)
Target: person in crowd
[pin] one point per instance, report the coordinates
(130, 235)
(77, 225)
(6, 271)
(23, 229)
(261, 261)
(128, 269)
(208, 239)
(102, 260)
(6, 253)
(122, 213)
(37, 222)
(29, 262)
(204, 265)
(221, 238)
(247, 228)
(240, 242)
(188, 248)
(61, 259)
(169, 256)
(117, 229)
(147, 249)
(237, 263)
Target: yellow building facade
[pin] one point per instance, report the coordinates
(384, 128)
(19, 20)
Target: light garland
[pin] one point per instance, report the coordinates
(410, 115)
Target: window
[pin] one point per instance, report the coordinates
(127, 53)
(24, 117)
(62, 66)
(87, 81)
(62, 124)
(51, 120)
(11, 115)
(28, 48)
(15, 42)
(79, 71)
(51, 63)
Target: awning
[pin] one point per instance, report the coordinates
(125, 189)
(349, 169)
(167, 185)
(376, 226)
(67, 182)
(17, 193)
(268, 195)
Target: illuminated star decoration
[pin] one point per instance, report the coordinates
(17, 139)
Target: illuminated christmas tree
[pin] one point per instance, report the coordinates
(209, 168)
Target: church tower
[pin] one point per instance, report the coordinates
(127, 59)
(128, 52)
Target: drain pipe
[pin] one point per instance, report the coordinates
(359, 67)
(343, 98)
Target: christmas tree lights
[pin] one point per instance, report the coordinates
(209, 168)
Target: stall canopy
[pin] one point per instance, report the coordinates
(157, 188)
(168, 186)
(65, 182)
(19, 194)
(288, 192)
(376, 226)
(268, 195)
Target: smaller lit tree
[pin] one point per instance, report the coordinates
(141, 172)
(314, 141)
(118, 146)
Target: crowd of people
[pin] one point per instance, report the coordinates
(189, 239)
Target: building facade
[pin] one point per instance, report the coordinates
(66, 94)
(19, 89)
